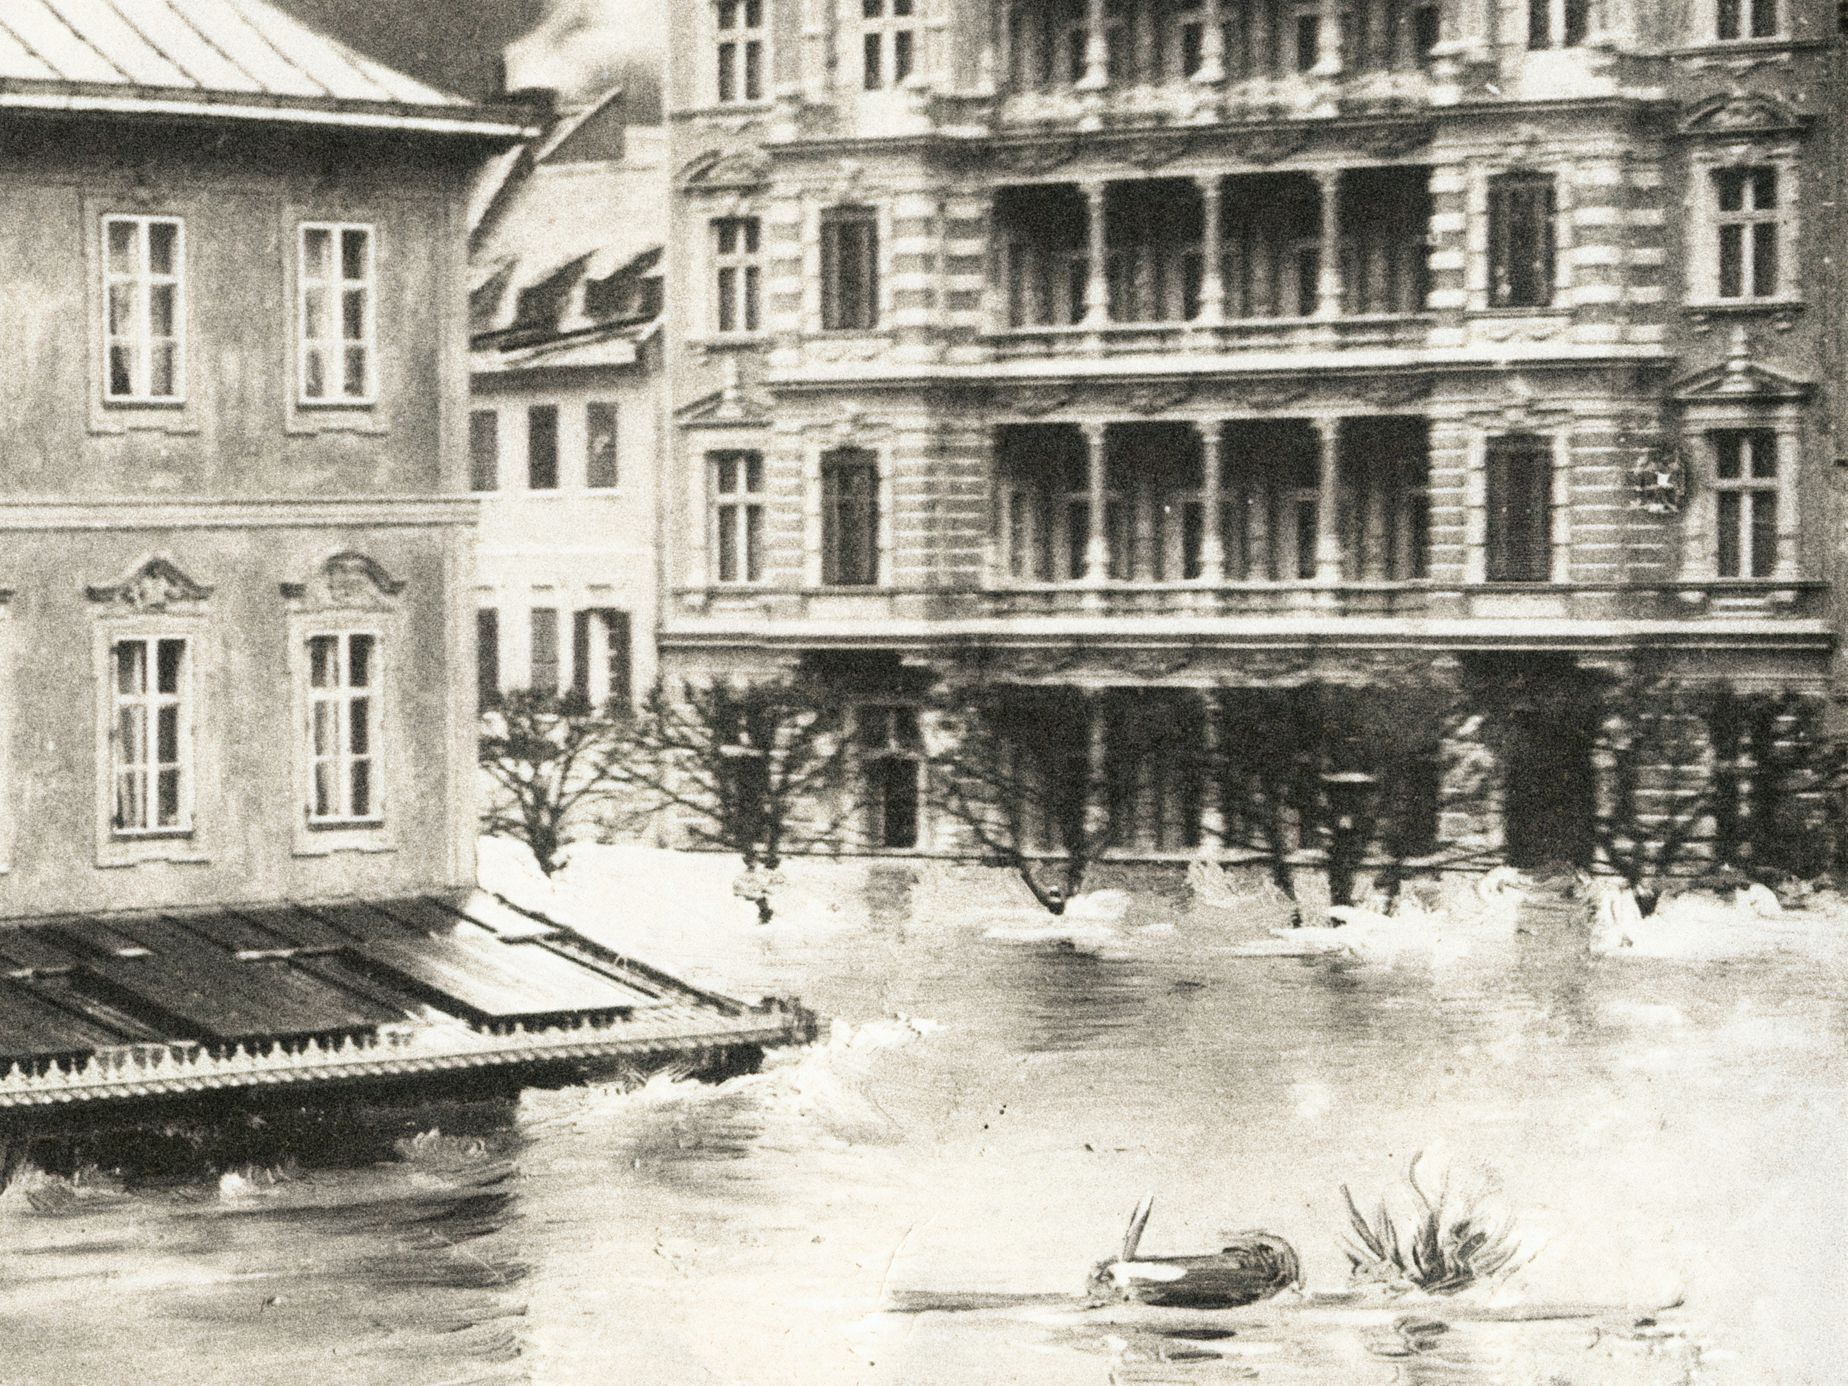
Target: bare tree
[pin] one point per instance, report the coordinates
(548, 757)
(1655, 789)
(1035, 775)
(741, 765)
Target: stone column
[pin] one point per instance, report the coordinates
(1328, 503)
(1212, 44)
(1212, 252)
(1097, 475)
(1096, 49)
(1328, 42)
(1212, 541)
(1328, 289)
(1097, 280)
(1789, 523)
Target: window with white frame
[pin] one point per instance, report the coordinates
(343, 728)
(1747, 222)
(888, 42)
(741, 33)
(144, 284)
(1558, 23)
(338, 355)
(1745, 485)
(738, 273)
(601, 435)
(737, 515)
(150, 736)
(1746, 19)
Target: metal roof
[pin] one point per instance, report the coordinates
(228, 58)
(73, 985)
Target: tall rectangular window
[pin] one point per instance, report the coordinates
(1745, 492)
(740, 26)
(542, 447)
(1746, 200)
(850, 269)
(888, 43)
(739, 273)
(144, 286)
(1521, 240)
(600, 437)
(543, 666)
(1746, 19)
(1558, 23)
(850, 518)
(338, 356)
(602, 656)
(487, 657)
(1520, 497)
(483, 450)
(151, 734)
(343, 727)
(891, 758)
(738, 515)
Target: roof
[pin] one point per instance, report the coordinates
(120, 1008)
(229, 59)
(568, 245)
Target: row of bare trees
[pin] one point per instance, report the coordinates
(1375, 778)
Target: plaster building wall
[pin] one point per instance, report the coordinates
(1050, 363)
(237, 515)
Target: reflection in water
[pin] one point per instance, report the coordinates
(920, 1200)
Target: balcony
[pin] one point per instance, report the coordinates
(1096, 63)
(1285, 261)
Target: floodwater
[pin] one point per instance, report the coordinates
(920, 1198)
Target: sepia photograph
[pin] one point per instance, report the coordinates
(918, 692)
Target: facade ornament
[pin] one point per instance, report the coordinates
(1739, 113)
(1032, 159)
(1156, 397)
(347, 580)
(1273, 394)
(1658, 482)
(1151, 664)
(157, 585)
(1152, 151)
(1397, 389)
(715, 170)
(1034, 402)
(1271, 144)
(1391, 141)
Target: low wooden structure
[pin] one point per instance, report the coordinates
(145, 1007)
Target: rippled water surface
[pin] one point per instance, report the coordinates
(920, 1198)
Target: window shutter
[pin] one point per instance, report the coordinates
(580, 654)
(487, 656)
(622, 679)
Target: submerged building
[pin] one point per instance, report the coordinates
(1155, 343)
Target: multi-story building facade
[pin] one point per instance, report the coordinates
(1160, 341)
(565, 404)
(237, 532)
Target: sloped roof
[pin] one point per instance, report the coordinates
(229, 58)
(565, 223)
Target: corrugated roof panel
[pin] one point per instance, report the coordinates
(16, 60)
(244, 44)
(104, 29)
(174, 35)
(44, 30)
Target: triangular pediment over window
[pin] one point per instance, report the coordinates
(727, 408)
(1740, 380)
(1743, 113)
(156, 585)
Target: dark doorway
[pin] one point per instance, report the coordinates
(1546, 708)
